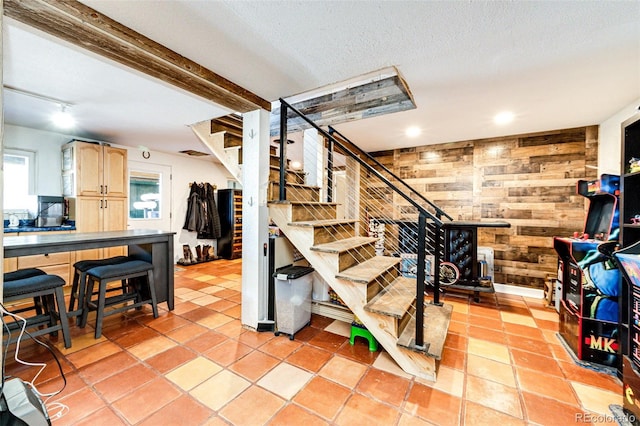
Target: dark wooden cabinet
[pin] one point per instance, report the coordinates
(629, 327)
(630, 182)
(230, 212)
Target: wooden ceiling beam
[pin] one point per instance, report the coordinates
(85, 27)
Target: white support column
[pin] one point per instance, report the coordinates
(1, 168)
(255, 216)
(313, 155)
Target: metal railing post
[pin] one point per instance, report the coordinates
(283, 158)
(330, 170)
(422, 252)
(436, 264)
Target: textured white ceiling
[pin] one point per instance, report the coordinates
(555, 64)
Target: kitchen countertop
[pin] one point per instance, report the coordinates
(28, 225)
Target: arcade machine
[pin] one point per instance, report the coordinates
(628, 261)
(589, 278)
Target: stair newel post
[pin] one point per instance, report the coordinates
(330, 169)
(436, 263)
(283, 143)
(422, 251)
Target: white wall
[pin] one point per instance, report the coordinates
(184, 170)
(46, 145)
(610, 138)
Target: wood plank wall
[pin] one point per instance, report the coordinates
(527, 180)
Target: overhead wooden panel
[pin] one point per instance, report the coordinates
(367, 99)
(83, 26)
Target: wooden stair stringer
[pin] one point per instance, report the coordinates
(354, 295)
(215, 142)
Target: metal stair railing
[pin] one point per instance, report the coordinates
(427, 226)
(438, 211)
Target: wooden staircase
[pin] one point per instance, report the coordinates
(371, 286)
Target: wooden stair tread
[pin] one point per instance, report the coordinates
(395, 300)
(343, 245)
(322, 223)
(367, 271)
(436, 325)
(300, 172)
(298, 203)
(300, 185)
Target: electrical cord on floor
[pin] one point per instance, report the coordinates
(58, 408)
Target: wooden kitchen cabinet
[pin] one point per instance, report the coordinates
(94, 170)
(96, 184)
(54, 263)
(94, 214)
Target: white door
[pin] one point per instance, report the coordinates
(149, 196)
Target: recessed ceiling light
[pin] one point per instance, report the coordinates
(413, 131)
(504, 117)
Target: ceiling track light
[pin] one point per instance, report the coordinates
(37, 96)
(62, 119)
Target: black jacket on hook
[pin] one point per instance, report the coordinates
(202, 212)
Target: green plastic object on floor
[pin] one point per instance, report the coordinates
(363, 332)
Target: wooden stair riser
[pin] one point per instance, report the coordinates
(296, 193)
(274, 161)
(332, 233)
(290, 176)
(232, 124)
(382, 281)
(346, 259)
(391, 325)
(231, 141)
(354, 256)
(406, 318)
(304, 212)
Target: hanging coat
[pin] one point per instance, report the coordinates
(202, 213)
(211, 228)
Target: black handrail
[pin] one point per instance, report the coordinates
(366, 165)
(439, 211)
(283, 143)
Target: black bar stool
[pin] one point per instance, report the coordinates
(47, 289)
(22, 273)
(38, 302)
(133, 290)
(79, 283)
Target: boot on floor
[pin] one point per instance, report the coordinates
(187, 255)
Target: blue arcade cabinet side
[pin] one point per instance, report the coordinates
(628, 261)
(589, 278)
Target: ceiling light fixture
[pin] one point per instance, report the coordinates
(413, 131)
(62, 118)
(504, 117)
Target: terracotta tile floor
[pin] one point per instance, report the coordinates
(502, 364)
